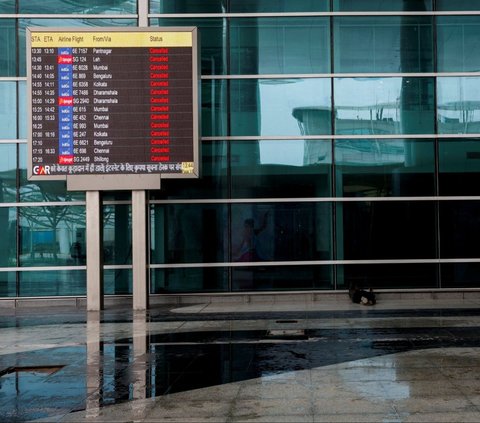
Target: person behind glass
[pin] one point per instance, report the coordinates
(360, 296)
(247, 250)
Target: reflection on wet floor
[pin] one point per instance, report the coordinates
(148, 365)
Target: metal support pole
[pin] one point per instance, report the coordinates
(94, 251)
(139, 250)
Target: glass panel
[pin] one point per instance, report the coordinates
(50, 22)
(189, 233)
(8, 61)
(8, 173)
(205, 279)
(93, 7)
(387, 276)
(212, 184)
(281, 232)
(188, 6)
(8, 284)
(460, 275)
(278, 278)
(31, 191)
(459, 229)
(458, 5)
(280, 107)
(214, 108)
(22, 110)
(382, 5)
(8, 110)
(384, 168)
(8, 240)
(52, 283)
(213, 36)
(117, 281)
(7, 6)
(458, 105)
(281, 168)
(383, 44)
(375, 230)
(365, 106)
(117, 230)
(49, 235)
(279, 45)
(458, 48)
(459, 166)
(265, 6)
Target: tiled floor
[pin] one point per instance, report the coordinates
(399, 361)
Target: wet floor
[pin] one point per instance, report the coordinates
(254, 365)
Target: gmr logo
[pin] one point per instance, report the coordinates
(41, 170)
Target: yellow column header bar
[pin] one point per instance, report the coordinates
(111, 39)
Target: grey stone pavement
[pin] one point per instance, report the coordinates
(415, 360)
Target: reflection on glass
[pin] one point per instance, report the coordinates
(8, 42)
(459, 229)
(278, 278)
(280, 45)
(214, 108)
(384, 167)
(374, 230)
(117, 229)
(280, 107)
(188, 233)
(382, 5)
(205, 279)
(8, 284)
(8, 173)
(265, 6)
(49, 235)
(365, 106)
(117, 281)
(8, 240)
(383, 44)
(281, 168)
(52, 283)
(92, 7)
(387, 276)
(458, 49)
(187, 6)
(213, 182)
(8, 115)
(281, 231)
(50, 22)
(213, 44)
(458, 105)
(457, 5)
(459, 166)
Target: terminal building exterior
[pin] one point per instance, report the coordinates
(340, 144)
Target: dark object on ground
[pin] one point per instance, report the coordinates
(360, 296)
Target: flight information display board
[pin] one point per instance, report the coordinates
(113, 102)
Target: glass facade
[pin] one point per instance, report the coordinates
(340, 144)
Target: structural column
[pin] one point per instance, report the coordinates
(140, 250)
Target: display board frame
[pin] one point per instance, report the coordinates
(119, 180)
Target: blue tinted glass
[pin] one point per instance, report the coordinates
(213, 41)
(204, 279)
(187, 6)
(265, 6)
(8, 112)
(281, 168)
(280, 106)
(8, 173)
(8, 61)
(365, 106)
(279, 45)
(93, 7)
(52, 22)
(7, 6)
(117, 229)
(117, 281)
(458, 49)
(459, 166)
(52, 283)
(8, 240)
(8, 284)
(382, 5)
(384, 167)
(458, 103)
(383, 44)
(214, 108)
(458, 5)
(48, 235)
